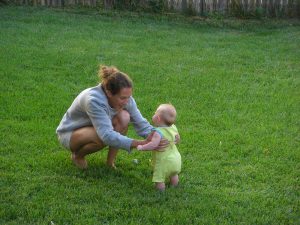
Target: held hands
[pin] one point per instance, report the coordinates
(165, 143)
(162, 145)
(160, 148)
(155, 142)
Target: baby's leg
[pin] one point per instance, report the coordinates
(174, 180)
(160, 186)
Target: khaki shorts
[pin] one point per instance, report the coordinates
(64, 139)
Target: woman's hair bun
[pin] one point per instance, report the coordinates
(106, 71)
(113, 80)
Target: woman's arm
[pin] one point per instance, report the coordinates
(99, 116)
(141, 125)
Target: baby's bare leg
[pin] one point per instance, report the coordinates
(160, 186)
(174, 180)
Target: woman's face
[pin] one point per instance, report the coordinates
(119, 100)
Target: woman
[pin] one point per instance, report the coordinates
(99, 117)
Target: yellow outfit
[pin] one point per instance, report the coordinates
(166, 163)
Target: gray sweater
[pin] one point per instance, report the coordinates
(91, 108)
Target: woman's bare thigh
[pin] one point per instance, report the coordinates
(85, 136)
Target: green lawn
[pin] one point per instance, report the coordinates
(235, 85)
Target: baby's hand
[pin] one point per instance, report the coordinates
(177, 139)
(139, 147)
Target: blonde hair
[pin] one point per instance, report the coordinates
(168, 113)
(113, 79)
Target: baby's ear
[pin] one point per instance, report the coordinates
(159, 118)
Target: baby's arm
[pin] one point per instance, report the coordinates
(152, 144)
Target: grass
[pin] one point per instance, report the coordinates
(235, 85)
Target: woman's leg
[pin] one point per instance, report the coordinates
(84, 141)
(120, 124)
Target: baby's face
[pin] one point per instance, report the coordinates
(164, 116)
(156, 119)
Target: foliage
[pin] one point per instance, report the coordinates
(235, 84)
(271, 10)
(153, 6)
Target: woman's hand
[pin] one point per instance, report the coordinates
(150, 136)
(177, 139)
(135, 143)
(165, 143)
(162, 145)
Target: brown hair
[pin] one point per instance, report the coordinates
(114, 80)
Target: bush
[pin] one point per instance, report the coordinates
(155, 6)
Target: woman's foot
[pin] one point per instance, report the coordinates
(79, 162)
(111, 165)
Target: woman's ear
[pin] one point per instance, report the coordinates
(108, 93)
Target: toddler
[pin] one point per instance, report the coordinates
(166, 163)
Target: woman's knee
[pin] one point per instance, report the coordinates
(125, 117)
(121, 121)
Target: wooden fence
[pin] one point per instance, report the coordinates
(271, 8)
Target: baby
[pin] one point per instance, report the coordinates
(166, 163)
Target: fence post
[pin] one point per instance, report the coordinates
(108, 4)
(221, 6)
(215, 4)
(183, 5)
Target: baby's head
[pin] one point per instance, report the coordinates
(164, 115)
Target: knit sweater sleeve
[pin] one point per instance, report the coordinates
(140, 124)
(99, 116)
